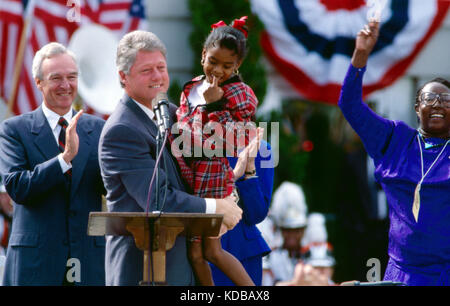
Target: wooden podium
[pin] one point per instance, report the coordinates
(154, 234)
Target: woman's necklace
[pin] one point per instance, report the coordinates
(430, 145)
(416, 203)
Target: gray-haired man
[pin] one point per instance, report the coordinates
(127, 159)
(49, 165)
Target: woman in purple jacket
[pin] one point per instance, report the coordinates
(413, 167)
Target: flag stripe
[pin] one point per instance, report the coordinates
(8, 51)
(11, 24)
(14, 7)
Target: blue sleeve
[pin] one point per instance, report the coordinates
(25, 185)
(256, 193)
(374, 131)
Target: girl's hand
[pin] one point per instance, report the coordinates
(214, 92)
(365, 41)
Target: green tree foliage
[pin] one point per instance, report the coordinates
(292, 158)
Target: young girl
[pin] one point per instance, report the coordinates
(216, 98)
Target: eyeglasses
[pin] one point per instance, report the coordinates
(429, 98)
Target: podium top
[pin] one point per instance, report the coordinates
(115, 223)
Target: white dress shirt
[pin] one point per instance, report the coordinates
(53, 119)
(210, 203)
(196, 95)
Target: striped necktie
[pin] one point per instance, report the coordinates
(62, 140)
(62, 134)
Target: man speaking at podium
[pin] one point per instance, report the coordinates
(127, 153)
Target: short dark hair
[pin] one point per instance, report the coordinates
(435, 80)
(227, 37)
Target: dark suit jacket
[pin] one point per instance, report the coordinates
(50, 215)
(127, 158)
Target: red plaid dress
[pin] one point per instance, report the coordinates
(211, 176)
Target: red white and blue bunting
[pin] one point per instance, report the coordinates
(310, 42)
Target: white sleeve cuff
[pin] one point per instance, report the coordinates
(2, 188)
(64, 166)
(210, 206)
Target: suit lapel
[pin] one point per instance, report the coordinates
(142, 117)
(153, 130)
(173, 163)
(44, 139)
(84, 150)
(46, 143)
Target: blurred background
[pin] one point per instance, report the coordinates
(299, 54)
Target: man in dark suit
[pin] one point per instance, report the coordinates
(127, 160)
(50, 169)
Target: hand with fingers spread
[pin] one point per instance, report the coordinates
(365, 42)
(72, 140)
(214, 92)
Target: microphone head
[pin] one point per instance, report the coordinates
(160, 97)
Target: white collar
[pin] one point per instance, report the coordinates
(53, 117)
(196, 94)
(146, 110)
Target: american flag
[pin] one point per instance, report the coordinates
(50, 21)
(11, 26)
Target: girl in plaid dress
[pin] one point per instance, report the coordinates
(214, 101)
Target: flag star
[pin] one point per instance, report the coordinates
(135, 8)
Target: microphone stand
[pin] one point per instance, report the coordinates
(159, 148)
(160, 144)
(161, 139)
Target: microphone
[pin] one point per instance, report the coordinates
(160, 105)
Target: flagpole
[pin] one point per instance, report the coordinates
(20, 54)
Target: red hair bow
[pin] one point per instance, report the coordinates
(238, 24)
(218, 24)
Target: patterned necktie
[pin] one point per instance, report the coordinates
(62, 134)
(62, 140)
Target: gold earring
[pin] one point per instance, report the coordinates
(236, 71)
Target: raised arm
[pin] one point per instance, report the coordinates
(365, 41)
(27, 183)
(374, 130)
